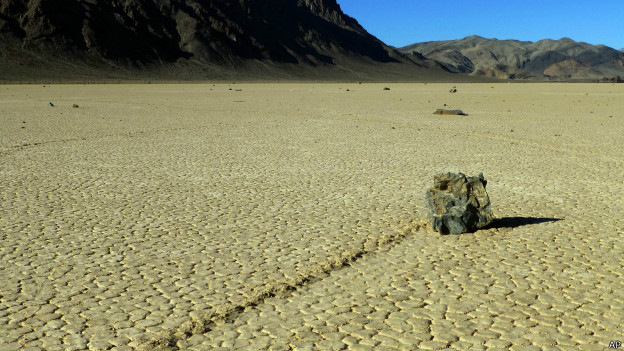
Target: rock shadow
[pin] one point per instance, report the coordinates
(514, 222)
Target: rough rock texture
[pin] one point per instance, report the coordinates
(458, 204)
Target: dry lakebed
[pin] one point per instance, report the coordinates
(291, 216)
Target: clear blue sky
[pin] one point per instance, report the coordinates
(403, 22)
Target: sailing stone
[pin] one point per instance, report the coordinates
(458, 204)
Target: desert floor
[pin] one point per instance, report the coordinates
(292, 216)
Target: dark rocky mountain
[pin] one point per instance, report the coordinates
(183, 38)
(546, 59)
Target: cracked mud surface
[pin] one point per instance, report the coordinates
(289, 216)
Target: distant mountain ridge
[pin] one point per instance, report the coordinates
(545, 59)
(200, 34)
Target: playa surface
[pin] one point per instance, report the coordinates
(292, 216)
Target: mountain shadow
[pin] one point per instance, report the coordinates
(195, 38)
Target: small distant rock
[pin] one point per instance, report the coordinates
(458, 204)
(453, 90)
(50, 104)
(75, 106)
(386, 88)
(442, 111)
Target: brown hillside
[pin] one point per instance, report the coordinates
(546, 59)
